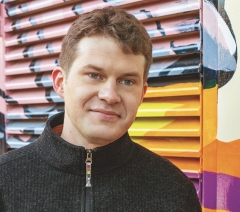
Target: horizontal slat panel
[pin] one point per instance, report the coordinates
(172, 26)
(150, 10)
(39, 19)
(18, 141)
(33, 96)
(47, 32)
(25, 127)
(160, 48)
(25, 138)
(157, 72)
(191, 165)
(62, 13)
(176, 46)
(193, 175)
(9, 1)
(182, 127)
(32, 51)
(180, 89)
(13, 144)
(174, 106)
(164, 8)
(178, 65)
(35, 65)
(165, 67)
(33, 111)
(171, 146)
(32, 6)
(29, 81)
(157, 28)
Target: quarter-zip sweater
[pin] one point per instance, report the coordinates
(50, 175)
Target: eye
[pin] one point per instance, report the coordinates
(126, 82)
(94, 76)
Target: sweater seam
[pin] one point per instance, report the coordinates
(18, 157)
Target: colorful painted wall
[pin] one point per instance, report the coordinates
(191, 110)
(221, 106)
(2, 90)
(33, 31)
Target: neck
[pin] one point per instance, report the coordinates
(71, 158)
(70, 138)
(72, 135)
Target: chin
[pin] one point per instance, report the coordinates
(103, 138)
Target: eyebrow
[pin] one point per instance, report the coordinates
(90, 66)
(97, 68)
(132, 74)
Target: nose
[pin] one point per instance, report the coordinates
(109, 93)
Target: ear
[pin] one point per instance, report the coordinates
(145, 86)
(58, 76)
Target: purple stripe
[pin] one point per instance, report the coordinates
(193, 175)
(198, 186)
(221, 191)
(196, 179)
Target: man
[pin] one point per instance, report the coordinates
(84, 160)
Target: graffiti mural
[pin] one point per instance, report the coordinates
(221, 86)
(33, 34)
(2, 124)
(2, 103)
(190, 112)
(219, 46)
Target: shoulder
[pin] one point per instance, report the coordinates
(146, 155)
(17, 155)
(165, 180)
(158, 165)
(17, 164)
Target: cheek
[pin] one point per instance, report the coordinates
(74, 92)
(71, 100)
(132, 105)
(136, 98)
(81, 97)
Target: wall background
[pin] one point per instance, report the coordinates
(221, 106)
(229, 94)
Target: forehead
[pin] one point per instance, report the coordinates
(100, 43)
(104, 52)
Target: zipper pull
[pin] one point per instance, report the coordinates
(88, 167)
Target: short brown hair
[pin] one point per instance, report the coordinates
(123, 27)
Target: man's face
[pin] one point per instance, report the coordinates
(102, 92)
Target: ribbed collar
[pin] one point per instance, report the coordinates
(70, 158)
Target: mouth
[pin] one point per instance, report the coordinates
(106, 114)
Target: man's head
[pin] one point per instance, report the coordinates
(122, 27)
(102, 76)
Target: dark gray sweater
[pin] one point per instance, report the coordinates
(50, 175)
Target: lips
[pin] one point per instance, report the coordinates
(105, 115)
(106, 112)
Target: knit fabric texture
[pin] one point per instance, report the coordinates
(50, 175)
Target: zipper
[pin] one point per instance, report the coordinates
(89, 195)
(88, 167)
